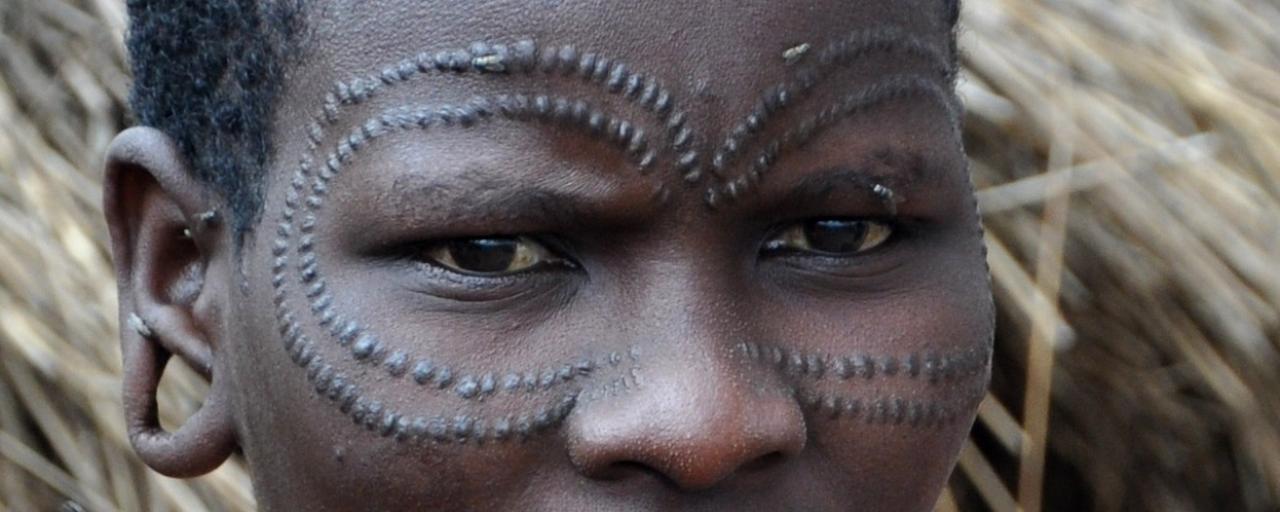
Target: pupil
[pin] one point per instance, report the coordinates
(835, 236)
(483, 254)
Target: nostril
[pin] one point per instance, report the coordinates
(764, 462)
(624, 470)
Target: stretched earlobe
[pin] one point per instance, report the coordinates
(166, 241)
(200, 445)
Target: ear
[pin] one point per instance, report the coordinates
(164, 236)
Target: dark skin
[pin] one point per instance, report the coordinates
(817, 343)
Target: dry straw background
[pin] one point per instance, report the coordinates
(1127, 154)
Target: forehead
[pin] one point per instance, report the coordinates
(687, 35)
(720, 60)
(721, 50)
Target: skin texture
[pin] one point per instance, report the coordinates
(675, 361)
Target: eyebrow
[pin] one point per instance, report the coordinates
(489, 197)
(896, 170)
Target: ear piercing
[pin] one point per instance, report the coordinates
(203, 220)
(139, 325)
(207, 218)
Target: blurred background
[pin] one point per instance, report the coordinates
(1127, 154)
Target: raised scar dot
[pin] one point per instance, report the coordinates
(423, 370)
(348, 333)
(617, 77)
(524, 427)
(601, 70)
(831, 404)
(568, 59)
(467, 387)
(633, 86)
(646, 161)
(350, 394)
(364, 346)
(548, 58)
(444, 377)
(511, 382)
(396, 363)
(402, 429)
(587, 65)
(813, 365)
(662, 103)
(418, 429)
(623, 132)
(795, 364)
(523, 54)
(305, 354)
(315, 289)
(373, 412)
(313, 368)
(387, 425)
(888, 365)
(502, 428)
(462, 427)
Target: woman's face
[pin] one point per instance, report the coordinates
(653, 255)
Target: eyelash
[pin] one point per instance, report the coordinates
(419, 253)
(899, 229)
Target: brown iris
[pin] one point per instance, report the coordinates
(490, 255)
(831, 237)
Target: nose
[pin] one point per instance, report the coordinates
(694, 421)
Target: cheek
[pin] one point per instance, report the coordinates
(892, 381)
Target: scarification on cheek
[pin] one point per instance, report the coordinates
(919, 389)
(889, 409)
(929, 366)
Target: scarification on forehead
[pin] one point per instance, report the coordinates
(932, 85)
(553, 389)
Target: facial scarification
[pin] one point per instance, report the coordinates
(834, 383)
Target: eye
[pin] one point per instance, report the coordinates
(491, 256)
(830, 237)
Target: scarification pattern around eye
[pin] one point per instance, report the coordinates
(293, 246)
(298, 219)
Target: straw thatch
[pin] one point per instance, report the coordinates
(1128, 157)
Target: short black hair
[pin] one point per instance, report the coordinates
(207, 72)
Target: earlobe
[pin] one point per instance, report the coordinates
(163, 241)
(203, 443)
